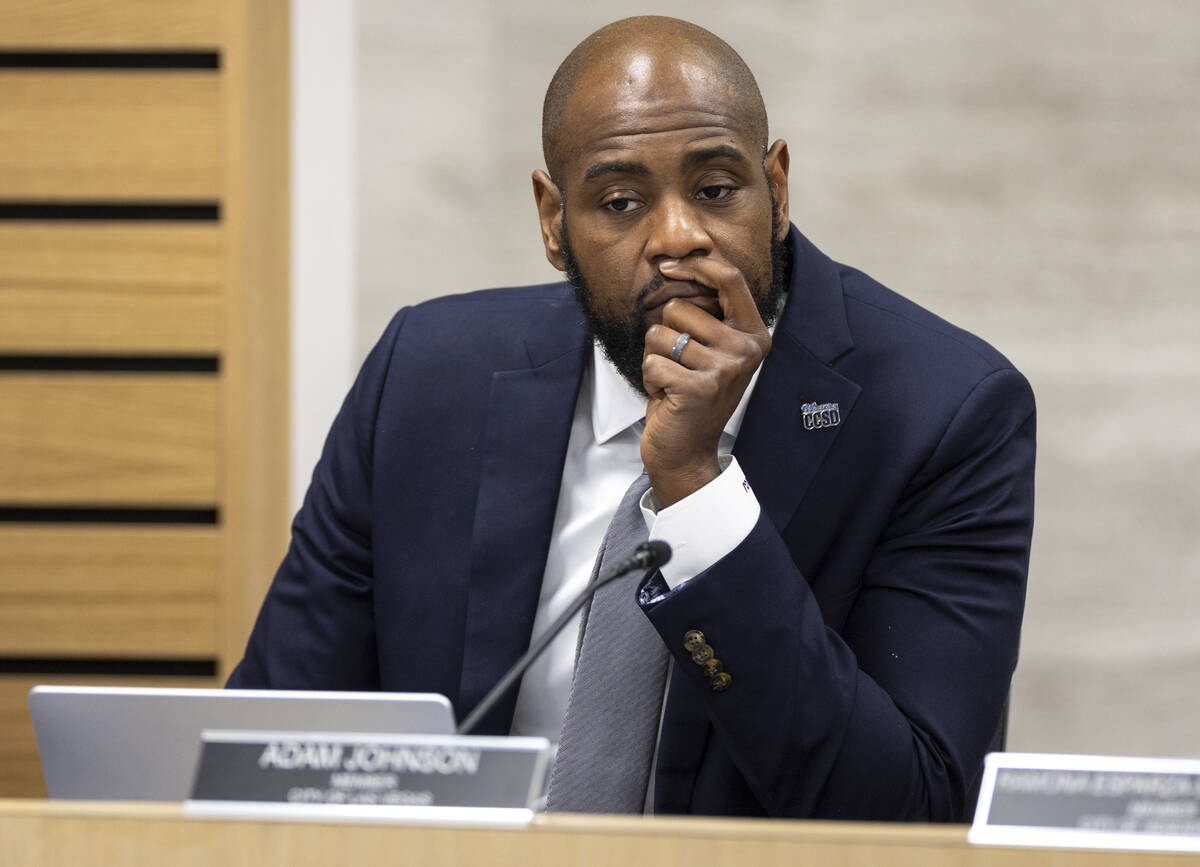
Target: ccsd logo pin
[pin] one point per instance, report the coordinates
(819, 415)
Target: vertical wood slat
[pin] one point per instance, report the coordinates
(256, 205)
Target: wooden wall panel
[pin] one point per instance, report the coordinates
(109, 135)
(110, 24)
(112, 287)
(78, 591)
(77, 284)
(20, 769)
(120, 439)
(111, 628)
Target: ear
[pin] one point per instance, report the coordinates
(776, 164)
(549, 205)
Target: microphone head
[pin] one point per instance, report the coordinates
(653, 554)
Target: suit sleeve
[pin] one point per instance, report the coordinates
(315, 629)
(889, 717)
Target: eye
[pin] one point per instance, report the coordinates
(715, 192)
(622, 205)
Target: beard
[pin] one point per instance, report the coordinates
(622, 336)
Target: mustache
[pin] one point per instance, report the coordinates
(653, 284)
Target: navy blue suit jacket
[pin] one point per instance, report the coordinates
(869, 622)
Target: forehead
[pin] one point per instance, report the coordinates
(652, 103)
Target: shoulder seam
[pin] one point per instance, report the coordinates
(951, 333)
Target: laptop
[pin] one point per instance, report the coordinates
(141, 744)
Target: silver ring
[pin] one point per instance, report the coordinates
(681, 341)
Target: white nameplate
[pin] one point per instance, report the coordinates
(1090, 802)
(369, 776)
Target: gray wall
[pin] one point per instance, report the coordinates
(1028, 170)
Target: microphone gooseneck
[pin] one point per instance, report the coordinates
(649, 555)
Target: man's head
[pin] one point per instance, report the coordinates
(655, 137)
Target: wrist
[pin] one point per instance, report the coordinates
(674, 484)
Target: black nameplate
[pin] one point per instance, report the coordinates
(370, 770)
(1089, 801)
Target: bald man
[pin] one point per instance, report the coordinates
(846, 481)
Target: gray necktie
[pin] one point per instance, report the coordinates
(609, 733)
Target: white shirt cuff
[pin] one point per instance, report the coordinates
(704, 526)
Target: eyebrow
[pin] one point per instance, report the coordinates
(615, 167)
(693, 159)
(717, 152)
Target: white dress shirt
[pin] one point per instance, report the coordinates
(603, 458)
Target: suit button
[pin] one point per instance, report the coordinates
(693, 639)
(712, 667)
(702, 654)
(720, 681)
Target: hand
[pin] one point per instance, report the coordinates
(692, 399)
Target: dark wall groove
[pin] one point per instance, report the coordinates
(20, 513)
(77, 363)
(109, 667)
(135, 211)
(92, 59)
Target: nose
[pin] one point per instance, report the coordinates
(676, 231)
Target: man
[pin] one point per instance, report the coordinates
(847, 484)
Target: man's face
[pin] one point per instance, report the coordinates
(659, 167)
(622, 334)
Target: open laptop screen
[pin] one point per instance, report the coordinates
(141, 744)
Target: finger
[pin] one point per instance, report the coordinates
(662, 340)
(702, 373)
(733, 293)
(674, 383)
(720, 336)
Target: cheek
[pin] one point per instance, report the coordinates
(611, 274)
(751, 256)
(753, 247)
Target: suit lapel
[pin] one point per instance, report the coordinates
(775, 449)
(778, 454)
(529, 423)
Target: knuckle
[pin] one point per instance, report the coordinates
(727, 372)
(752, 347)
(743, 344)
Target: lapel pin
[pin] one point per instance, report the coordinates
(819, 415)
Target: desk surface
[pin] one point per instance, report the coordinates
(49, 833)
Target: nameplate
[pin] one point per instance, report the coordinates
(427, 777)
(1091, 802)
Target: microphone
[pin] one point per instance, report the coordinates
(648, 555)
